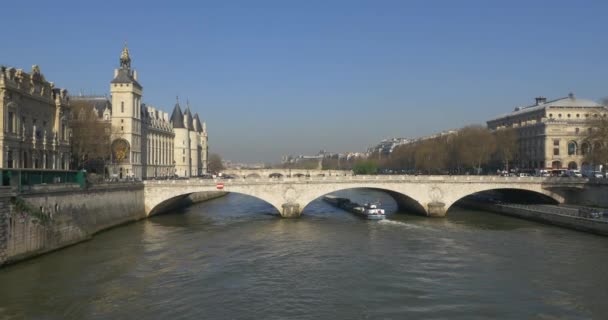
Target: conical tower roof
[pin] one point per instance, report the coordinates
(190, 123)
(197, 123)
(177, 118)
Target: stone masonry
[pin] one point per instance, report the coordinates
(4, 218)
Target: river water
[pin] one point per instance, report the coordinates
(231, 258)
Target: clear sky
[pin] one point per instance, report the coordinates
(280, 77)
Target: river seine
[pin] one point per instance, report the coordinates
(231, 258)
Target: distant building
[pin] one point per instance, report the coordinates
(387, 146)
(291, 159)
(34, 121)
(551, 133)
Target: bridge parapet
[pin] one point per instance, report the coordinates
(388, 178)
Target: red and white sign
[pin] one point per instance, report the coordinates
(219, 186)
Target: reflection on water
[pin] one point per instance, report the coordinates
(232, 258)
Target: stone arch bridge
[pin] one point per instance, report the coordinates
(428, 195)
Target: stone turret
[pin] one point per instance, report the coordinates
(182, 150)
(194, 141)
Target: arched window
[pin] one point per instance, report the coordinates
(584, 148)
(9, 159)
(572, 165)
(572, 148)
(11, 122)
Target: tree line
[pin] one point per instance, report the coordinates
(473, 149)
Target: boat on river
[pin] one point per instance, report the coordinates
(370, 211)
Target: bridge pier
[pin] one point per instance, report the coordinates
(436, 209)
(291, 210)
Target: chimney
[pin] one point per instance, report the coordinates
(135, 74)
(115, 73)
(540, 100)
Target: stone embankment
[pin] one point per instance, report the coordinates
(48, 219)
(576, 218)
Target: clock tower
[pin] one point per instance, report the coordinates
(126, 159)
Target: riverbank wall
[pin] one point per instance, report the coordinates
(47, 219)
(595, 226)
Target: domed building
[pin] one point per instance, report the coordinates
(551, 134)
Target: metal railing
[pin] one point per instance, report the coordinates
(26, 179)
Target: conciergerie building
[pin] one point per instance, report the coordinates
(552, 133)
(145, 141)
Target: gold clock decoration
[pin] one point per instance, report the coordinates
(120, 149)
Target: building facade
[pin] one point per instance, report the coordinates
(552, 134)
(34, 121)
(158, 144)
(191, 147)
(145, 142)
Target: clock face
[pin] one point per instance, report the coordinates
(120, 150)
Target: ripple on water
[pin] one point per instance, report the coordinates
(230, 259)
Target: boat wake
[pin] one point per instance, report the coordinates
(401, 224)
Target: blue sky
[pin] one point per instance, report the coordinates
(280, 77)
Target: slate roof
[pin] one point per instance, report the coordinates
(125, 76)
(177, 118)
(197, 121)
(100, 103)
(190, 120)
(565, 102)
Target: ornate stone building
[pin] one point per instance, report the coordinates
(34, 121)
(191, 139)
(159, 142)
(552, 133)
(145, 142)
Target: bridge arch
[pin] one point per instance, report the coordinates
(403, 201)
(183, 200)
(508, 193)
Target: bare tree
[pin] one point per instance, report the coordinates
(90, 137)
(215, 163)
(431, 156)
(597, 139)
(474, 145)
(506, 146)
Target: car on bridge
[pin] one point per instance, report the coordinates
(593, 174)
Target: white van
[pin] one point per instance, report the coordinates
(542, 173)
(574, 173)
